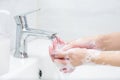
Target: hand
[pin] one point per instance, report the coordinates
(89, 43)
(57, 44)
(76, 56)
(76, 50)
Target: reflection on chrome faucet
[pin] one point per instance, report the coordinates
(23, 31)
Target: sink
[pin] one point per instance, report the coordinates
(29, 68)
(22, 69)
(95, 72)
(39, 49)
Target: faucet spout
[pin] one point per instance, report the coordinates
(23, 31)
(41, 33)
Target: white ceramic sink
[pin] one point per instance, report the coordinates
(96, 72)
(22, 69)
(39, 48)
(28, 69)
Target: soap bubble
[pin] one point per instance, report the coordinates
(58, 45)
(91, 54)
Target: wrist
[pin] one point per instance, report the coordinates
(102, 42)
(91, 56)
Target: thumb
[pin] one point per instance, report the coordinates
(60, 55)
(67, 47)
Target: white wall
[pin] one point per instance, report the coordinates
(77, 18)
(70, 18)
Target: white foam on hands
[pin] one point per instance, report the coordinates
(64, 68)
(91, 54)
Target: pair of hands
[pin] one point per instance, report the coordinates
(76, 50)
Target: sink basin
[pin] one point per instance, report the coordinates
(29, 68)
(22, 69)
(39, 48)
(96, 72)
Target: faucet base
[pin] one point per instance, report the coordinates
(21, 55)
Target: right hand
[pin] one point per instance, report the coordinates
(76, 56)
(88, 43)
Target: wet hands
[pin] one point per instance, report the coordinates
(99, 50)
(59, 50)
(76, 56)
(74, 53)
(88, 43)
(59, 56)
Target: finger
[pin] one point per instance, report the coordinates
(67, 47)
(50, 50)
(60, 41)
(60, 55)
(83, 43)
(60, 61)
(70, 41)
(71, 44)
(72, 57)
(54, 44)
(77, 45)
(51, 53)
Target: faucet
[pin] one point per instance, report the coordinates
(23, 32)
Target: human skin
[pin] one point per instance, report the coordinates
(108, 58)
(78, 55)
(108, 44)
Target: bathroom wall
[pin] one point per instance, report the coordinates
(78, 18)
(71, 19)
(12, 8)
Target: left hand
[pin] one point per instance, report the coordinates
(57, 42)
(76, 56)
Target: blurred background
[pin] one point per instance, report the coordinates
(71, 19)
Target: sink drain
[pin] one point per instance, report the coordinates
(40, 74)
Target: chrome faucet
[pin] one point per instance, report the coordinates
(23, 32)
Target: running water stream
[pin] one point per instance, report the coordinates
(55, 48)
